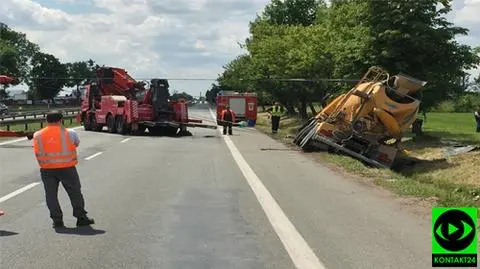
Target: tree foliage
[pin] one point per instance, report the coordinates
(181, 95)
(308, 39)
(79, 73)
(44, 73)
(48, 75)
(18, 52)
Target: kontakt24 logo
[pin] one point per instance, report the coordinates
(454, 237)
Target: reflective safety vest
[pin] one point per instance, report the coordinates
(277, 110)
(54, 149)
(226, 116)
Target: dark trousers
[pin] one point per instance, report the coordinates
(275, 123)
(71, 183)
(478, 125)
(227, 126)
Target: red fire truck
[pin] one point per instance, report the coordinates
(244, 105)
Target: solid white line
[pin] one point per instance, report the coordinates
(17, 192)
(93, 156)
(24, 138)
(301, 254)
(125, 140)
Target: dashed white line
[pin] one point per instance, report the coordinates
(125, 140)
(17, 192)
(301, 254)
(93, 156)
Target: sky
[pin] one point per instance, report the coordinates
(160, 38)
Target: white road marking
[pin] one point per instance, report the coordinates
(301, 254)
(31, 185)
(17, 192)
(125, 140)
(93, 156)
(24, 138)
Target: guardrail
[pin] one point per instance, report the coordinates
(7, 123)
(34, 114)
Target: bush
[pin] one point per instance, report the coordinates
(464, 103)
(467, 103)
(447, 106)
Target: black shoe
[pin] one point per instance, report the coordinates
(85, 221)
(58, 224)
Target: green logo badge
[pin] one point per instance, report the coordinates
(454, 237)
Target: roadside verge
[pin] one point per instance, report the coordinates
(434, 178)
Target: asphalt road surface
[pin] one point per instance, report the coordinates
(201, 202)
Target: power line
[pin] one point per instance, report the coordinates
(212, 79)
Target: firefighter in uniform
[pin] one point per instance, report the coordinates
(227, 119)
(55, 150)
(276, 112)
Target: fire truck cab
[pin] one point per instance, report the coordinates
(244, 105)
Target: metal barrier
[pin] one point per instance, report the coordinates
(35, 114)
(9, 122)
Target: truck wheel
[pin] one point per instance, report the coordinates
(121, 125)
(87, 124)
(111, 126)
(95, 126)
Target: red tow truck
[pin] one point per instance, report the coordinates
(244, 105)
(122, 104)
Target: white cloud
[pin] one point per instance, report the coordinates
(148, 38)
(155, 38)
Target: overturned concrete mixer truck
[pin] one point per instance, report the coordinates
(368, 121)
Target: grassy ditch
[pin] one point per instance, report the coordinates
(448, 181)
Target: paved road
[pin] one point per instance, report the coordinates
(204, 201)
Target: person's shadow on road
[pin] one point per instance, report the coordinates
(7, 233)
(86, 230)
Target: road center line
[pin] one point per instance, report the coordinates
(93, 156)
(301, 254)
(125, 140)
(17, 192)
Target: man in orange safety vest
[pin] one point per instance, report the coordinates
(228, 118)
(55, 151)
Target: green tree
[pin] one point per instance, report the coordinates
(291, 12)
(15, 45)
(8, 59)
(79, 73)
(237, 75)
(211, 94)
(181, 95)
(48, 76)
(303, 55)
(420, 29)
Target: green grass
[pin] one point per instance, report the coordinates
(454, 126)
(451, 182)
